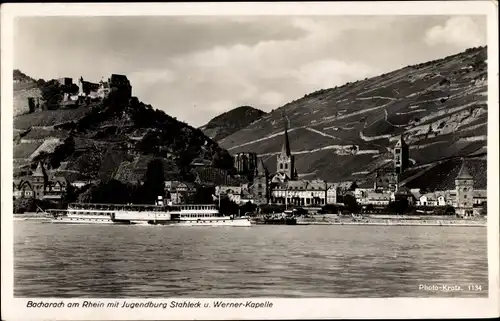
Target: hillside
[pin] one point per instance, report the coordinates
(230, 122)
(113, 138)
(24, 87)
(347, 132)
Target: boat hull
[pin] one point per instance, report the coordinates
(228, 222)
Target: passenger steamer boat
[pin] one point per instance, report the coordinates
(159, 214)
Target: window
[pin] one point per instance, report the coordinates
(286, 166)
(260, 185)
(281, 165)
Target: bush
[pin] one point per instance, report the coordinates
(247, 208)
(23, 205)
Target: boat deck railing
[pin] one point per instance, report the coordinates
(140, 207)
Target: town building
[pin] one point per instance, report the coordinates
(375, 198)
(178, 192)
(464, 192)
(233, 193)
(104, 89)
(87, 88)
(300, 193)
(65, 81)
(40, 185)
(260, 184)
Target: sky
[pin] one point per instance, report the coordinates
(197, 67)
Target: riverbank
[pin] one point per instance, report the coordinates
(400, 223)
(384, 220)
(31, 216)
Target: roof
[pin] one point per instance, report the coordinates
(378, 196)
(261, 168)
(401, 142)
(296, 185)
(464, 172)
(480, 193)
(40, 171)
(217, 176)
(246, 194)
(430, 196)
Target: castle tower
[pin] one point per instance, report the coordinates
(81, 91)
(464, 187)
(286, 161)
(260, 190)
(39, 179)
(401, 156)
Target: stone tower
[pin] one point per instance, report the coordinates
(401, 156)
(39, 180)
(464, 187)
(286, 161)
(81, 90)
(260, 190)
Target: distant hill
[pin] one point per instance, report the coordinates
(113, 138)
(20, 77)
(230, 122)
(348, 132)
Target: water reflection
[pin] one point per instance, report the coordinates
(274, 261)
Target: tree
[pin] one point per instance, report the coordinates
(52, 93)
(350, 203)
(110, 192)
(228, 207)
(399, 206)
(248, 207)
(154, 181)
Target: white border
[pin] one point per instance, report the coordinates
(283, 308)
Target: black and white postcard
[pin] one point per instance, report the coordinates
(250, 160)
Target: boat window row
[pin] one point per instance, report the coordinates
(197, 207)
(198, 215)
(139, 208)
(90, 213)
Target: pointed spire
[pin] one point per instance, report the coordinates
(39, 170)
(285, 149)
(261, 168)
(401, 142)
(464, 172)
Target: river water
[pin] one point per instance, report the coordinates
(101, 261)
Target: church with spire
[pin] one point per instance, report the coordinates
(283, 186)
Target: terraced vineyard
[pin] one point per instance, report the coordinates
(439, 107)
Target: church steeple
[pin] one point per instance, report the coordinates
(401, 156)
(286, 161)
(285, 148)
